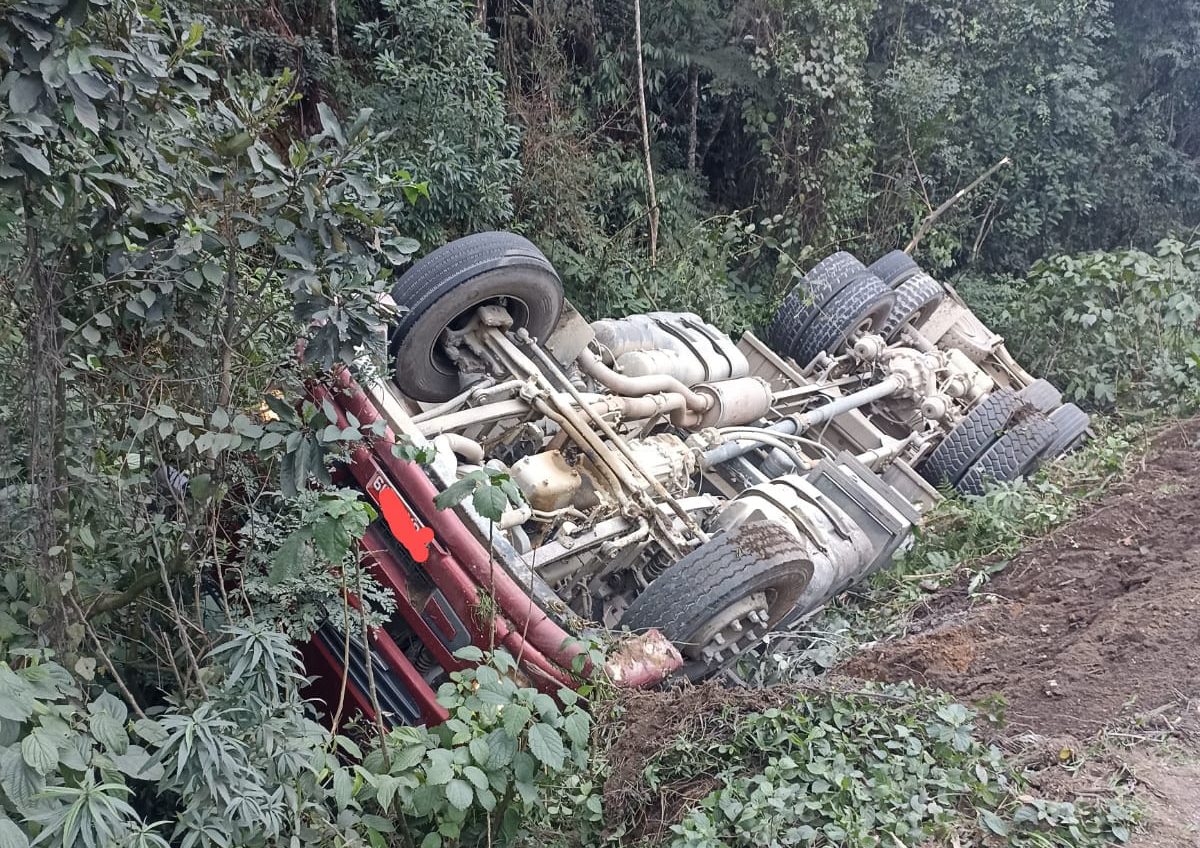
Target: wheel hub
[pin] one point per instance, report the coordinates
(731, 631)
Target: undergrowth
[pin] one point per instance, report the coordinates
(886, 765)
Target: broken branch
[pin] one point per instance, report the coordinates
(933, 216)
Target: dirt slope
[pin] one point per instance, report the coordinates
(1095, 627)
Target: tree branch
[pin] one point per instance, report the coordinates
(109, 601)
(933, 216)
(641, 88)
(693, 116)
(108, 663)
(229, 305)
(333, 28)
(47, 454)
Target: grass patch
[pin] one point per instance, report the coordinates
(876, 767)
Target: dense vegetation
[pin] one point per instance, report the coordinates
(778, 129)
(187, 191)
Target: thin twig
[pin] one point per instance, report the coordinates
(912, 156)
(337, 716)
(375, 707)
(108, 663)
(160, 640)
(653, 197)
(693, 116)
(175, 614)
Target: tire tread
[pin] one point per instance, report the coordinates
(964, 444)
(681, 598)
(1015, 454)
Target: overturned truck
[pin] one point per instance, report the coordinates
(691, 491)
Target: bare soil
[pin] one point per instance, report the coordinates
(1090, 633)
(650, 722)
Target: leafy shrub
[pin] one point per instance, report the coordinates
(64, 765)
(433, 84)
(301, 556)
(886, 765)
(248, 765)
(508, 757)
(1115, 330)
(245, 766)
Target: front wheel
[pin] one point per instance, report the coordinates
(720, 600)
(445, 288)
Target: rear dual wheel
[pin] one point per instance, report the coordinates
(968, 440)
(1071, 425)
(1042, 395)
(895, 268)
(1016, 453)
(836, 299)
(1001, 439)
(917, 297)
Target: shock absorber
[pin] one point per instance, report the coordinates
(654, 565)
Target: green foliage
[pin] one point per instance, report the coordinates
(491, 492)
(965, 86)
(302, 557)
(165, 269)
(844, 122)
(510, 763)
(852, 121)
(155, 283)
(246, 763)
(432, 81)
(886, 764)
(244, 766)
(810, 138)
(1116, 330)
(64, 768)
(508, 759)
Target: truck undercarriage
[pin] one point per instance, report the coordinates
(658, 477)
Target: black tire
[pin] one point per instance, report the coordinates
(894, 268)
(445, 286)
(751, 558)
(1016, 454)
(1071, 425)
(972, 436)
(1042, 396)
(832, 274)
(865, 303)
(804, 302)
(916, 299)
